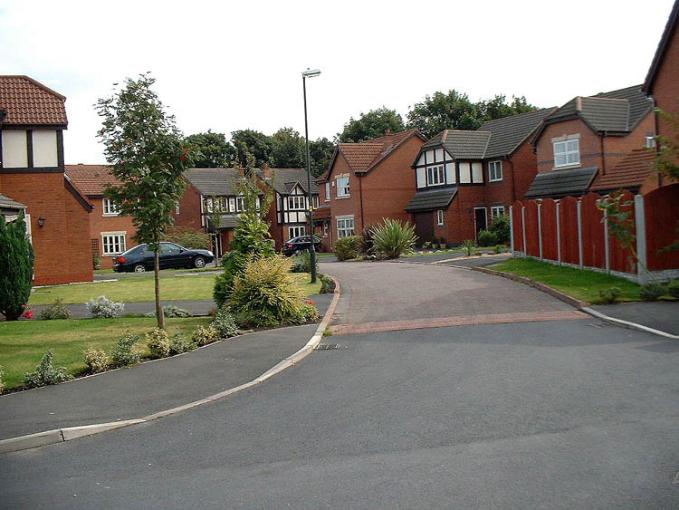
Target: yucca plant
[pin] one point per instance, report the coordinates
(393, 238)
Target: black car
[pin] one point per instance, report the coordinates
(141, 258)
(299, 244)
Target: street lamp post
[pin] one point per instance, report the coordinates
(309, 73)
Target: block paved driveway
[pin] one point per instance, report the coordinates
(556, 414)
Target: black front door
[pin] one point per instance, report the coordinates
(480, 219)
(424, 226)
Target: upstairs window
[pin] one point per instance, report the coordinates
(566, 153)
(436, 175)
(110, 208)
(240, 204)
(343, 189)
(327, 191)
(495, 171)
(315, 201)
(296, 203)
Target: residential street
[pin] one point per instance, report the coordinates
(517, 401)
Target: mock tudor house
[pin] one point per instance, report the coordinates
(466, 178)
(365, 183)
(212, 203)
(596, 143)
(110, 233)
(32, 179)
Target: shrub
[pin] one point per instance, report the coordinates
(469, 245)
(394, 238)
(124, 352)
(179, 344)
(204, 335)
(46, 373)
(327, 284)
(158, 342)
(487, 238)
(651, 291)
(500, 227)
(673, 288)
(104, 308)
(189, 238)
(96, 361)
(57, 310)
(173, 311)
(610, 295)
(265, 295)
(96, 261)
(16, 268)
(301, 263)
(225, 324)
(347, 248)
(426, 245)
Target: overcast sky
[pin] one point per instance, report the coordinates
(234, 65)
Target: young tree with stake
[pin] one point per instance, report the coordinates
(148, 156)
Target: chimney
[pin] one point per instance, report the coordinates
(241, 170)
(266, 172)
(578, 104)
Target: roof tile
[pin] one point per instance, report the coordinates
(28, 102)
(91, 180)
(630, 173)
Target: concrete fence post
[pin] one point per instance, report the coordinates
(580, 247)
(540, 229)
(511, 229)
(607, 252)
(523, 229)
(640, 226)
(558, 231)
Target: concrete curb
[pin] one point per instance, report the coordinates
(470, 257)
(580, 305)
(66, 434)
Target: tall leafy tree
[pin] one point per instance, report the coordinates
(498, 107)
(287, 149)
(251, 142)
(451, 110)
(371, 125)
(211, 150)
(16, 268)
(321, 151)
(148, 155)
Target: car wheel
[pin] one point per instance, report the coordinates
(199, 262)
(139, 268)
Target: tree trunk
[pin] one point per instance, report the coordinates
(160, 316)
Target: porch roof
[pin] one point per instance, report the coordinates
(431, 200)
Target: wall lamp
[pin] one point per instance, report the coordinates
(41, 222)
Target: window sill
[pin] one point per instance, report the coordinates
(567, 167)
(494, 180)
(111, 215)
(342, 198)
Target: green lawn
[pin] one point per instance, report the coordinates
(140, 288)
(23, 343)
(578, 283)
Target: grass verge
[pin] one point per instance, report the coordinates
(578, 283)
(23, 343)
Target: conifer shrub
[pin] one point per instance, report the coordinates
(16, 268)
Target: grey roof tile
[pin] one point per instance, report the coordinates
(8, 203)
(284, 180)
(561, 183)
(431, 200)
(510, 132)
(214, 181)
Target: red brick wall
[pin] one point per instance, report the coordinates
(100, 223)
(62, 245)
(344, 206)
(666, 86)
(189, 210)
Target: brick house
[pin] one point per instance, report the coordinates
(584, 143)
(465, 178)
(366, 182)
(32, 121)
(110, 233)
(213, 193)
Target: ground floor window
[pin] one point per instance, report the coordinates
(496, 211)
(296, 231)
(345, 226)
(113, 243)
(439, 217)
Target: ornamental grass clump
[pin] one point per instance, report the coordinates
(265, 295)
(394, 238)
(46, 373)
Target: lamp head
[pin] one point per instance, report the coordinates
(310, 73)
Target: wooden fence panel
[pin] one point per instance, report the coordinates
(549, 222)
(517, 229)
(661, 208)
(593, 241)
(569, 230)
(532, 240)
(621, 258)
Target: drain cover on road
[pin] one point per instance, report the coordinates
(327, 347)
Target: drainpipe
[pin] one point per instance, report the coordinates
(511, 164)
(360, 198)
(603, 154)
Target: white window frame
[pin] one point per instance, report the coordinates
(296, 203)
(495, 171)
(344, 229)
(240, 203)
(109, 208)
(315, 201)
(119, 241)
(343, 186)
(496, 211)
(327, 191)
(440, 217)
(296, 231)
(436, 175)
(571, 156)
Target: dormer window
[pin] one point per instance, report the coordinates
(436, 175)
(566, 153)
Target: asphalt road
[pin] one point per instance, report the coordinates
(572, 414)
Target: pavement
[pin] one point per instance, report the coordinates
(554, 414)
(663, 316)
